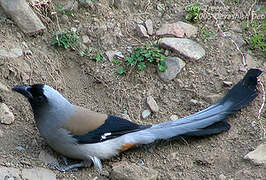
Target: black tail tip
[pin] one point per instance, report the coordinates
(250, 78)
(254, 72)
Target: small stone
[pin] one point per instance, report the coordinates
(20, 148)
(3, 87)
(183, 46)
(87, 3)
(131, 171)
(222, 177)
(71, 5)
(149, 26)
(1, 133)
(11, 53)
(173, 117)
(118, 55)
(258, 156)
(140, 162)
(64, 19)
(86, 39)
(213, 98)
(171, 29)
(142, 31)
(227, 83)
(114, 54)
(194, 101)
(174, 66)
(6, 116)
(146, 113)
(73, 29)
(189, 30)
(47, 158)
(152, 104)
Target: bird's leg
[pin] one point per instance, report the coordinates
(68, 167)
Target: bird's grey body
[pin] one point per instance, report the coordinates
(79, 133)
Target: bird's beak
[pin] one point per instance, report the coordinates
(24, 90)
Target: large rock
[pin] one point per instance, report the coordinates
(171, 29)
(189, 30)
(258, 156)
(183, 46)
(23, 16)
(131, 171)
(6, 116)
(174, 66)
(20, 174)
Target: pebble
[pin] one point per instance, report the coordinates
(227, 83)
(20, 148)
(171, 29)
(125, 170)
(6, 116)
(114, 54)
(86, 39)
(194, 101)
(142, 31)
(3, 87)
(189, 30)
(186, 47)
(174, 117)
(11, 53)
(152, 104)
(71, 5)
(174, 66)
(146, 113)
(258, 156)
(87, 3)
(140, 162)
(149, 26)
(1, 135)
(64, 19)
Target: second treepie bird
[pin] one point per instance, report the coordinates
(82, 134)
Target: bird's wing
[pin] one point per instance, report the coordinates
(90, 127)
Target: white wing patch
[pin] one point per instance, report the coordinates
(105, 135)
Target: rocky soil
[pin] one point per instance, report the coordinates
(201, 69)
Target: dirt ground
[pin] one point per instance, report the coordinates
(97, 86)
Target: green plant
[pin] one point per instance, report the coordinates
(66, 39)
(116, 61)
(98, 56)
(140, 57)
(70, 40)
(206, 35)
(256, 35)
(193, 12)
(60, 9)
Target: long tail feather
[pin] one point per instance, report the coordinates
(211, 120)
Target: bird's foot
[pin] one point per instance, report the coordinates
(71, 167)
